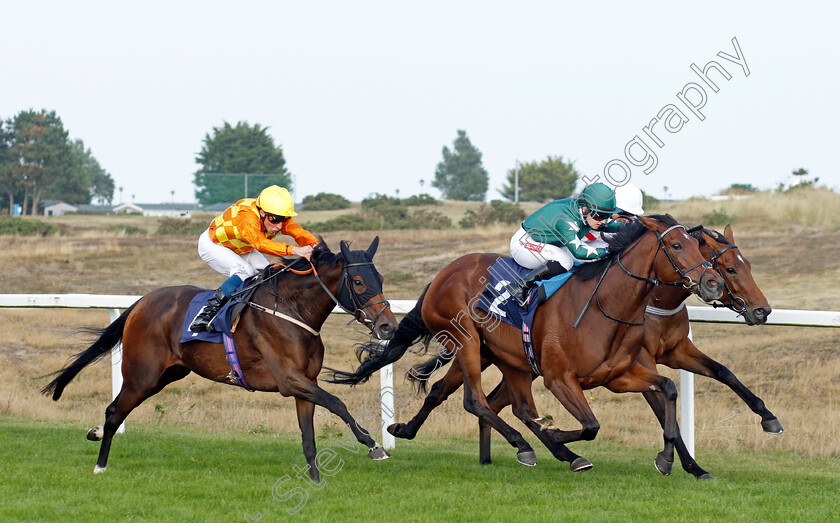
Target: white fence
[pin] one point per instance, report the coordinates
(801, 318)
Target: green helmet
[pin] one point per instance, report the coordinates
(598, 197)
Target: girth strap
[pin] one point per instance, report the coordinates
(656, 311)
(235, 370)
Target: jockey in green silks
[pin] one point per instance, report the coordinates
(553, 238)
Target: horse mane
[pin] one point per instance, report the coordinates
(618, 243)
(715, 235)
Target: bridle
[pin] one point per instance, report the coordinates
(685, 280)
(737, 304)
(346, 294)
(347, 300)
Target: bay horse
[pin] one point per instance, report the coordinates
(666, 342)
(601, 351)
(277, 341)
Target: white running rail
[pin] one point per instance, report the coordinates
(800, 318)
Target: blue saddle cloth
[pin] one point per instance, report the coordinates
(495, 300)
(222, 323)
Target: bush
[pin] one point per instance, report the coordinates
(388, 217)
(27, 227)
(324, 201)
(191, 227)
(378, 200)
(126, 229)
(422, 199)
(496, 212)
(717, 217)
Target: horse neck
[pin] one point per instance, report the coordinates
(638, 259)
(668, 296)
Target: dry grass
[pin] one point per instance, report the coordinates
(813, 208)
(795, 370)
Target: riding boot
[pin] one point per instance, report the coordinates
(202, 321)
(520, 290)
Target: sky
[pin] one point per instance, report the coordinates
(362, 96)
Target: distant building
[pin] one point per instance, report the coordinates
(58, 209)
(170, 210)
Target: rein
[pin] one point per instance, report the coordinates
(358, 308)
(655, 282)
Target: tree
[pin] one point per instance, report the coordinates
(242, 149)
(8, 175)
(550, 179)
(41, 153)
(460, 175)
(84, 180)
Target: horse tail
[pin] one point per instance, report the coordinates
(374, 355)
(421, 373)
(108, 338)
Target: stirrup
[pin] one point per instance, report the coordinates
(519, 293)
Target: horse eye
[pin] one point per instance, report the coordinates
(357, 282)
(676, 246)
(730, 270)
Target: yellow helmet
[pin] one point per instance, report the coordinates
(276, 200)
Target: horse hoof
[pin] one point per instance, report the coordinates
(95, 434)
(580, 464)
(663, 465)
(98, 470)
(527, 458)
(772, 426)
(378, 453)
(706, 476)
(397, 430)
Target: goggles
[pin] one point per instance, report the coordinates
(599, 216)
(273, 218)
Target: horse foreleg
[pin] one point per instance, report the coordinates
(439, 393)
(515, 390)
(567, 390)
(657, 404)
(295, 383)
(305, 414)
(687, 356)
(641, 379)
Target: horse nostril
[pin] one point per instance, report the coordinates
(759, 314)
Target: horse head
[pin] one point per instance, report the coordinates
(679, 255)
(359, 290)
(742, 293)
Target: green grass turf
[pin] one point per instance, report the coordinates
(169, 474)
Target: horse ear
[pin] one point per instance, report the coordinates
(372, 249)
(727, 233)
(345, 250)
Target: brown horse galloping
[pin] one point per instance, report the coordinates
(276, 354)
(666, 342)
(601, 351)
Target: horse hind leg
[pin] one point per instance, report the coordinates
(305, 412)
(130, 396)
(476, 403)
(439, 393)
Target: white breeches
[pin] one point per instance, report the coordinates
(530, 253)
(227, 262)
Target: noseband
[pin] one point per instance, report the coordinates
(737, 304)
